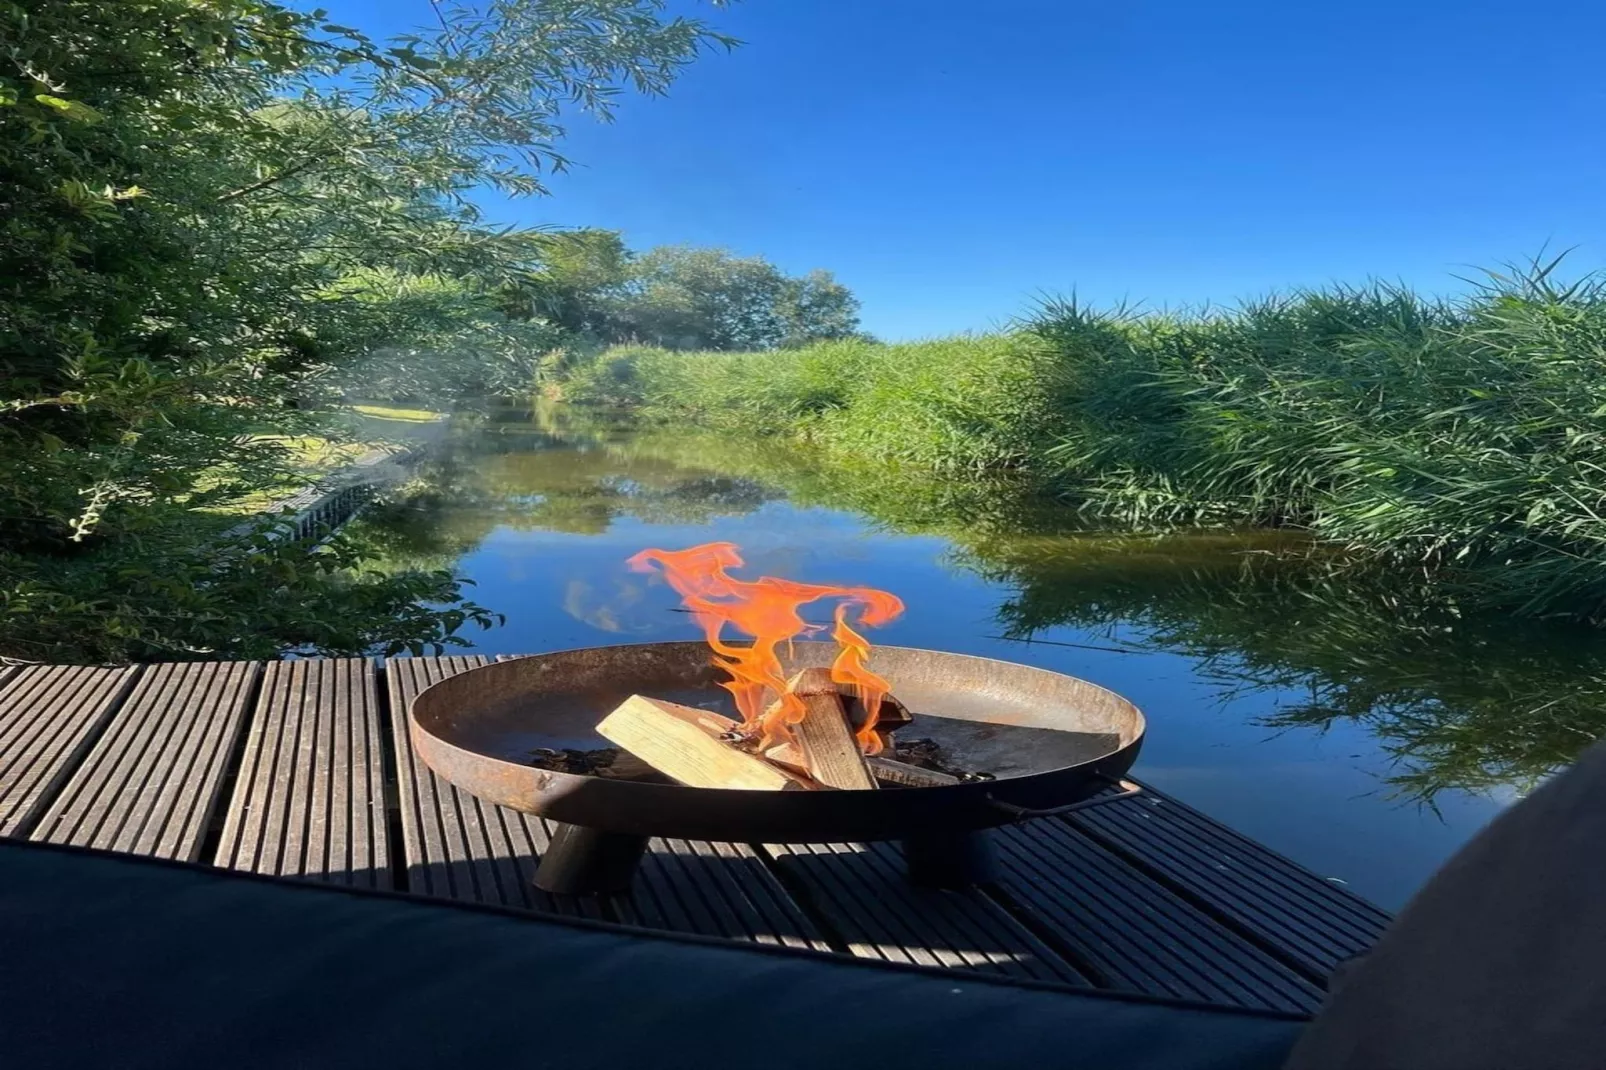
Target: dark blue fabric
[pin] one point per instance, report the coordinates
(110, 961)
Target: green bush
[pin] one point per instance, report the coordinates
(974, 402)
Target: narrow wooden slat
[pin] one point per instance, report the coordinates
(286, 839)
(315, 725)
(50, 716)
(1310, 922)
(243, 844)
(723, 889)
(367, 792)
(1138, 935)
(868, 900)
(346, 786)
(151, 783)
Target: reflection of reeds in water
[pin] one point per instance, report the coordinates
(1471, 702)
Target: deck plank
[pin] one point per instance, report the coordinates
(864, 893)
(1307, 921)
(724, 889)
(315, 724)
(151, 783)
(50, 716)
(1135, 933)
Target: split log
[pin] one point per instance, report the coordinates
(887, 771)
(684, 743)
(904, 775)
(788, 754)
(824, 737)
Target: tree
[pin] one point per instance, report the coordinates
(817, 308)
(687, 298)
(437, 340)
(581, 273)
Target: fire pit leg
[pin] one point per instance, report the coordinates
(588, 861)
(948, 859)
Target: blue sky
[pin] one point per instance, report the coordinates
(952, 161)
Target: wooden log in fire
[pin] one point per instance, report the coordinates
(889, 772)
(892, 715)
(685, 744)
(788, 754)
(825, 739)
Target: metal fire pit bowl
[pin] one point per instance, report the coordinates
(1051, 742)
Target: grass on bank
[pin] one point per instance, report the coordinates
(1462, 435)
(311, 456)
(405, 415)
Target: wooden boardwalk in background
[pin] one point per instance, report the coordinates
(302, 769)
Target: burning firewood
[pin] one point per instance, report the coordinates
(891, 716)
(788, 754)
(686, 744)
(829, 749)
(823, 748)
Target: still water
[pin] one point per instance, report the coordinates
(1326, 714)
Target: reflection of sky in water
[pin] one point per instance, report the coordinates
(1312, 795)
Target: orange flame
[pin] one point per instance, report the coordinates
(849, 668)
(767, 611)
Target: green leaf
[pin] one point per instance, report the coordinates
(412, 59)
(72, 109)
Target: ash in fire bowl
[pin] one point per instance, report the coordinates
(602, 762)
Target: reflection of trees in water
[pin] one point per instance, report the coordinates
(416, 527)
(528, 480)
(1459, 702)
(896, 499)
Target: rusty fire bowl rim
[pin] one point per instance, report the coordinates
(743, 815)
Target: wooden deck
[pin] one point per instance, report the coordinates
(302, 769)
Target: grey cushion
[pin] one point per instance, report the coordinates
(112, 961)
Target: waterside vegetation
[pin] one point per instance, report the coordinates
(1459, 438)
